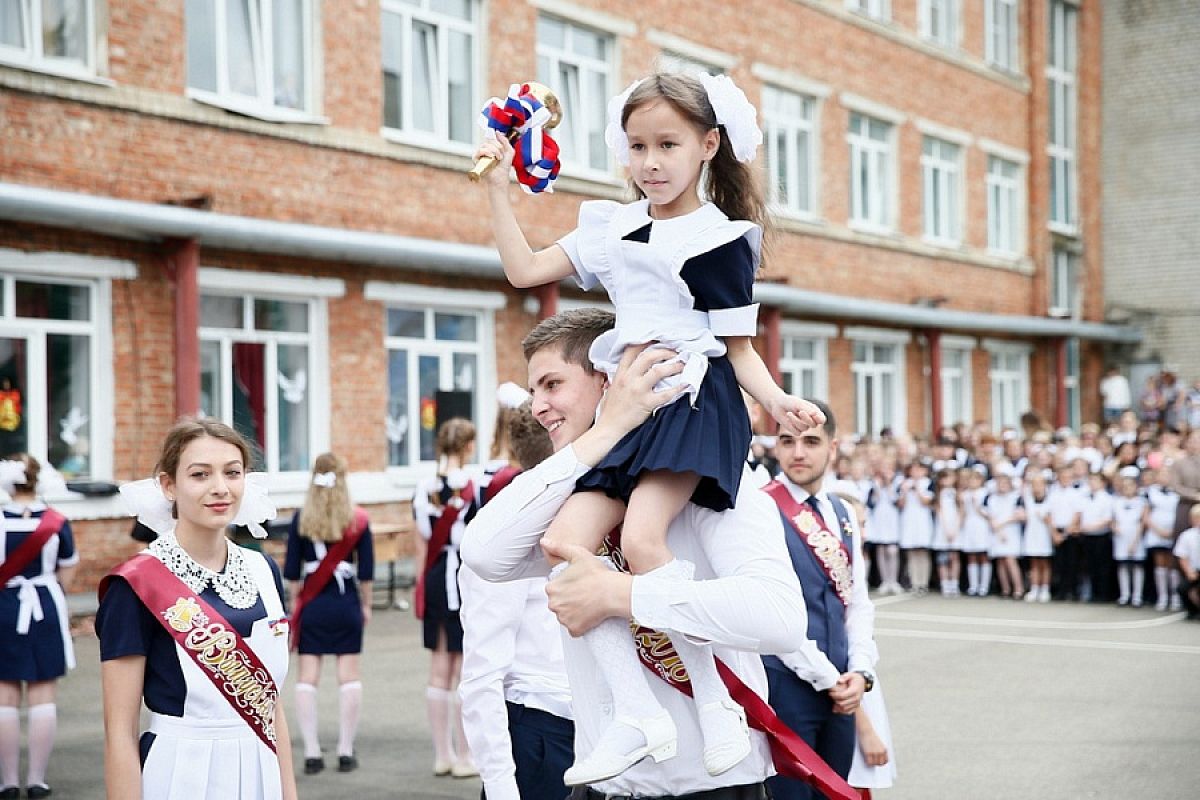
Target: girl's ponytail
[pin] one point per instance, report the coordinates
(735, 188)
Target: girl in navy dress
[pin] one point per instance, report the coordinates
(35, 641)
(198, 746)
(443, 506)
(680, 272)
(331, 622)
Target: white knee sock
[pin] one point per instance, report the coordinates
(1173, 581)
(890, 564)
(437, 706)
(10, 746)
(1160, 584)
(349, 707)
(43, 725)
(1139, 580)
(306, 715)
(1123, 580)
(972, 577)
(985, 577)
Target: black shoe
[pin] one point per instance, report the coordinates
(10, 793)
(37, 790)
(313, 765)
(347, 763)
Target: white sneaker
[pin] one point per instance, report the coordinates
(1044, 596)
(1161, 604)
(1176, 603)
(1033, 595)
(658, 737)
(726, 736)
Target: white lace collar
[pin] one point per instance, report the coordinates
(234, 584)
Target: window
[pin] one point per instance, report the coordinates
(1000, 34)
(871, 172)
(803, 360)
(878, 387)
(48, 33)
(430, 67)
(1060, 79)
(956, 383)
(791, 150)
(1004, 206)
(1064, 284)
(941, 171)
(1009, 379)
(258, 372)
(252, 56)
(50, 371)
(939, 21)
(879, 9)
(576, 61)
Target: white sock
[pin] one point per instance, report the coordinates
(306, 715)
(1173, 581)
(985, 577)
(1139, 580)
(1123, 580)
(43, 725)
(972, 577)
(1160, 584)
(437, 706)
(10, 746)
(349, 707)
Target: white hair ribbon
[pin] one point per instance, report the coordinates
(327, 480)
(146, 501)
(11, 473)
(509, 395)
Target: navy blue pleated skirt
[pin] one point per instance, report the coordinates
(35, 656)
(332, 623)
(710, 438)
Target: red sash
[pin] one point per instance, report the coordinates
(792, 756)
(828, 548)
(212, 643)
(502, 478)
(437, 542)
(50, 524)
(316, 582)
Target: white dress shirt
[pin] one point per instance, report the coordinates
(512, 651)
(809, 663)
(754, 606)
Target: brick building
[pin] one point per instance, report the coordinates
(258, 210)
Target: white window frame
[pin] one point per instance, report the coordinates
(876, 211)
(97, 274)
(571, 104)
(942, 180)
(312, 292)
(940, 22)
(263, 106)
(800, 202)
(873, 371)
(1005, 206)
(33, 57)
(1001, 36)
(1061, 65)
(796, 366)
(482, 306)
(439, 138)
(1008, 387)
(1065, 291)
(875, 9)
(962, 373)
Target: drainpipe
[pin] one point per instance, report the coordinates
(935, 380)
(547, 297)
(1060, 383)
(183, 265)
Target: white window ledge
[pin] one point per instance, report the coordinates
(248, 107)
(268, 283)
(859, 333)
(589, 17)
(689, 49)
(809, 330)
(413, 294)
(74, 72)
(67, 265)
(939, 131)
(787, 79)
(427, 141)
(872, 108)
(1001, 150)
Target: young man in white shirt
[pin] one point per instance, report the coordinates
(745, 598)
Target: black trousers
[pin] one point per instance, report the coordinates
(1097, 552)
(543, 749)
(753, 791)
(1066, 564)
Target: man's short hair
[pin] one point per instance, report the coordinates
(830, 425)
(529, 441)
(572, 332)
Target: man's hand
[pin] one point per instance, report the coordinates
(631, 397)
(587, 592)
(847, 693)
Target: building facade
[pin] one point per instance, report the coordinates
(257, 210)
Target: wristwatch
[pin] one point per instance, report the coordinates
(868, 679)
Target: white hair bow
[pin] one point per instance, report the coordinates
(146, 501)
(11, 473)
(327, 480)
(509, 395)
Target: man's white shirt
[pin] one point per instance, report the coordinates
(755, 607)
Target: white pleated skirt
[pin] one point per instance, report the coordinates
(208, 760)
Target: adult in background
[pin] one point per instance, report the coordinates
(329, 567)
(442, 507)
(816, 692)
(1116, 395)
(1184, 479)
(37, 558)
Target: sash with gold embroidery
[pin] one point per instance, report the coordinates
(792, 756)
(23, 555)
(212, 643)
(828, 547)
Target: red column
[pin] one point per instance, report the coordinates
(935, 381)
(1060, 383)
(183, 268)
(770, 317)
(547, 297)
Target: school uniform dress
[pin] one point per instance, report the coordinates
(684, 282)
(1005, 542)
(1164, 504)
(883, 517)
(1127, 544)
(35, 637)
(863, 775)
(332, 622)
(1035, 539)
(976, 534)
(916, 518)
(197, 747)
(442, 598)
(947, 523)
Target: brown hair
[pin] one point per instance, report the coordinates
(32, 468)
(186, 430)
(501, 438)
(454, 436)
(572, 332)
(732, 186)
(327, 509)
(530, 441)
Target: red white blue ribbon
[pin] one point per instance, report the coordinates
(535, 157)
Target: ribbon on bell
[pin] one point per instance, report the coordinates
(523, 119)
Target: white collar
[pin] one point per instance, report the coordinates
(20, 508)
(797, 491)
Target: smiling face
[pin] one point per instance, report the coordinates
(666, 154)
(207, 485)
(565, 395)
(805, 458)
